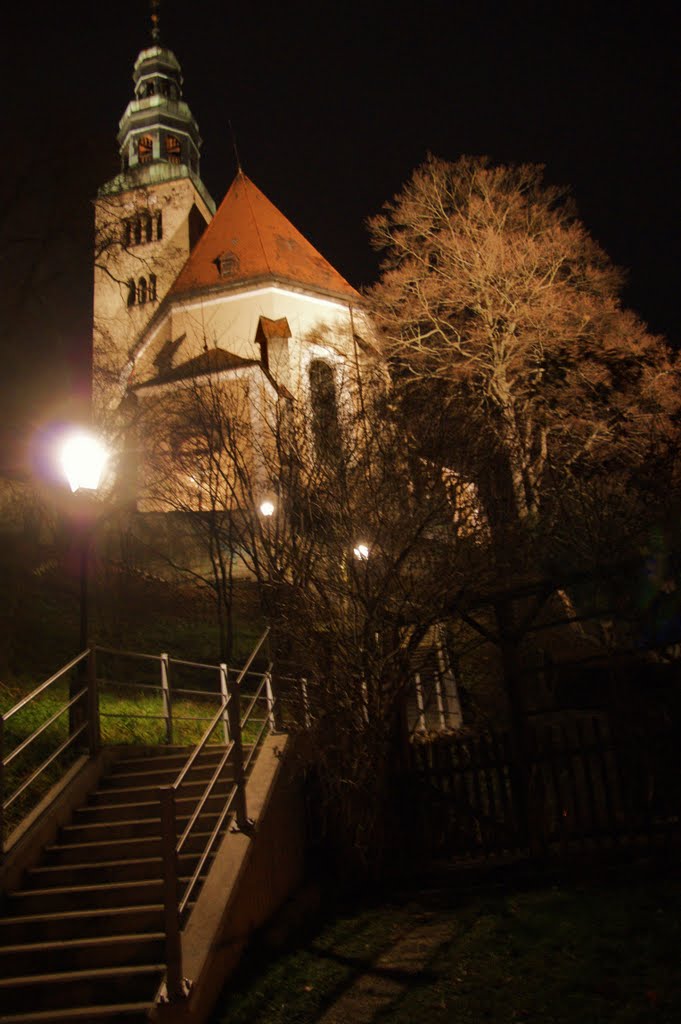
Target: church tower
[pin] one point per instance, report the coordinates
(147, 218)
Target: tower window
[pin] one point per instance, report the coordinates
(137, 230)
(145, 149)
(173, 149)
(142, 291)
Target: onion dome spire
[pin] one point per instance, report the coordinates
(158, 137)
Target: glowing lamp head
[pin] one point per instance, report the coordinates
(361, 552)
(267, 509)
(83, 458)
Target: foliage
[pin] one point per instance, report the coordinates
(495, 301)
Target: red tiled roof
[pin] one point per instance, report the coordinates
(251, 239)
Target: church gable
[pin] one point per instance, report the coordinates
(249, 240)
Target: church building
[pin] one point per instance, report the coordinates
(185, 292)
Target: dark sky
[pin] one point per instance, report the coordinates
(332, 105)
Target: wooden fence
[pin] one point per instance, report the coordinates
(580, 784)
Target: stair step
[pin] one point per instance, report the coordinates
(112, 872)
(163, 777)
(61, 990)
(144, 793)
(166, 762)
(97, 831)
(80, 924)
(116, 1013)
(128, 847)
(84, 953)
(145, 809)
(89, 916)
(87, 897)
(84, 897)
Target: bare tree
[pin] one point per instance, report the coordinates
(355, 566)
(496, 302)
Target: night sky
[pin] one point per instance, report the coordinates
(332, 106)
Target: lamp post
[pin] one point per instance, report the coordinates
(83, 459)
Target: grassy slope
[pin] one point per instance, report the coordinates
(591, 953)
(38, 634)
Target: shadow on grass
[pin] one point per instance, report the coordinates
(593, 951)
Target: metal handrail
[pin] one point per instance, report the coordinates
(235, 798)
(206, 793)
(234, 803)
(216, 719)
(251, 659)
(43, 686)
(46, 763)
(41, 728)
(128, 654)
(256, 696)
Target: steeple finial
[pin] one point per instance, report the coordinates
(155, 20)
(235, 147)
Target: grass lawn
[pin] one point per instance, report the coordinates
(603, 952)
(126, 716)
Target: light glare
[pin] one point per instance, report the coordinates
(267, 508)
(361, 552)
(83, 458)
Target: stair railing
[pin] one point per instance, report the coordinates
(83, 723)
(229, 716)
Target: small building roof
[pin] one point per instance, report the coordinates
(250, 239)
(212, 361)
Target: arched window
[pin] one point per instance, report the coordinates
(132, 292)
(146, 224)
(173, 149)
(127, 232)
(159, 226)
(145, 149)
(325, 422)
(138, 231)
(142, 290)
(152, 287)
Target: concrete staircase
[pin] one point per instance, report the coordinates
(82, 938)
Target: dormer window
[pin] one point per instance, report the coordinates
(145, 149)
(228, 264)
(173, 149)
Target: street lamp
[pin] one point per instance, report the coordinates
(83, 459)
(361, 551)
(267, 508)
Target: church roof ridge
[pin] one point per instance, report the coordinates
(250, 239)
